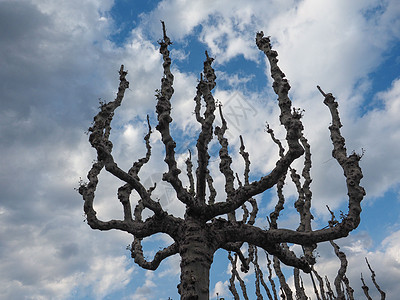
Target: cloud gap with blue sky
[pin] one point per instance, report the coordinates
(59, 58)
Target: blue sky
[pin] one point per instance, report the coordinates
(58, 58)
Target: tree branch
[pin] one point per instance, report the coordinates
(225, 163)
(320, 282)
(189, 168)
(235, 274)
(260, 277)
(271, 281)
(298, 283)
(125, 190)
(99, 139)
(204, 89)
(303, 203)
(137, 254)
(284, 286)
(341, 275)
(235, 247)
(349, 164)
(290, 120)
(383, 294)
(269, 240)
(163, 109)
(213, 192)
(365, 288)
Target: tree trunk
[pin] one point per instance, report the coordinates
(196, 251)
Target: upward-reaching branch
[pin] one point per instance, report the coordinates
(204, 89)
(99, 139)
(289, 118)
(349, 164)
(373, 275)
(125, 191)
(163, 109)
(225, 163)
(199, 234)
(137, 255)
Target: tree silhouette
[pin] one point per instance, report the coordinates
(209, 225)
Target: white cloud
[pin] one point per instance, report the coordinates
(378, 133)
(384, 261)
(221, 290)
(355, 44)
(390, 246)
(108, 274)
(53, 262)
(147, 290)
(59, 61)
(234, 80)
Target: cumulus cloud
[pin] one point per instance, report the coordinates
(221, 289)
(355, 37)
(108, 274)
(380, 134)
(48, 101)
(147, 290)
(61, 59)
(383, 259)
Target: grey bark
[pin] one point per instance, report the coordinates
(373, 275)
(209, 225)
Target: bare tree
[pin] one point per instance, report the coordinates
(209, 225)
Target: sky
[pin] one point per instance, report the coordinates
(60, 58)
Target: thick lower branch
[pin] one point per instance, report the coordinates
(137, 255)
(270, 240)
(165, 224)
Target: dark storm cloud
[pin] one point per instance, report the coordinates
(23, 28)
(20, 20)
(46, 64)
(49, 93)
